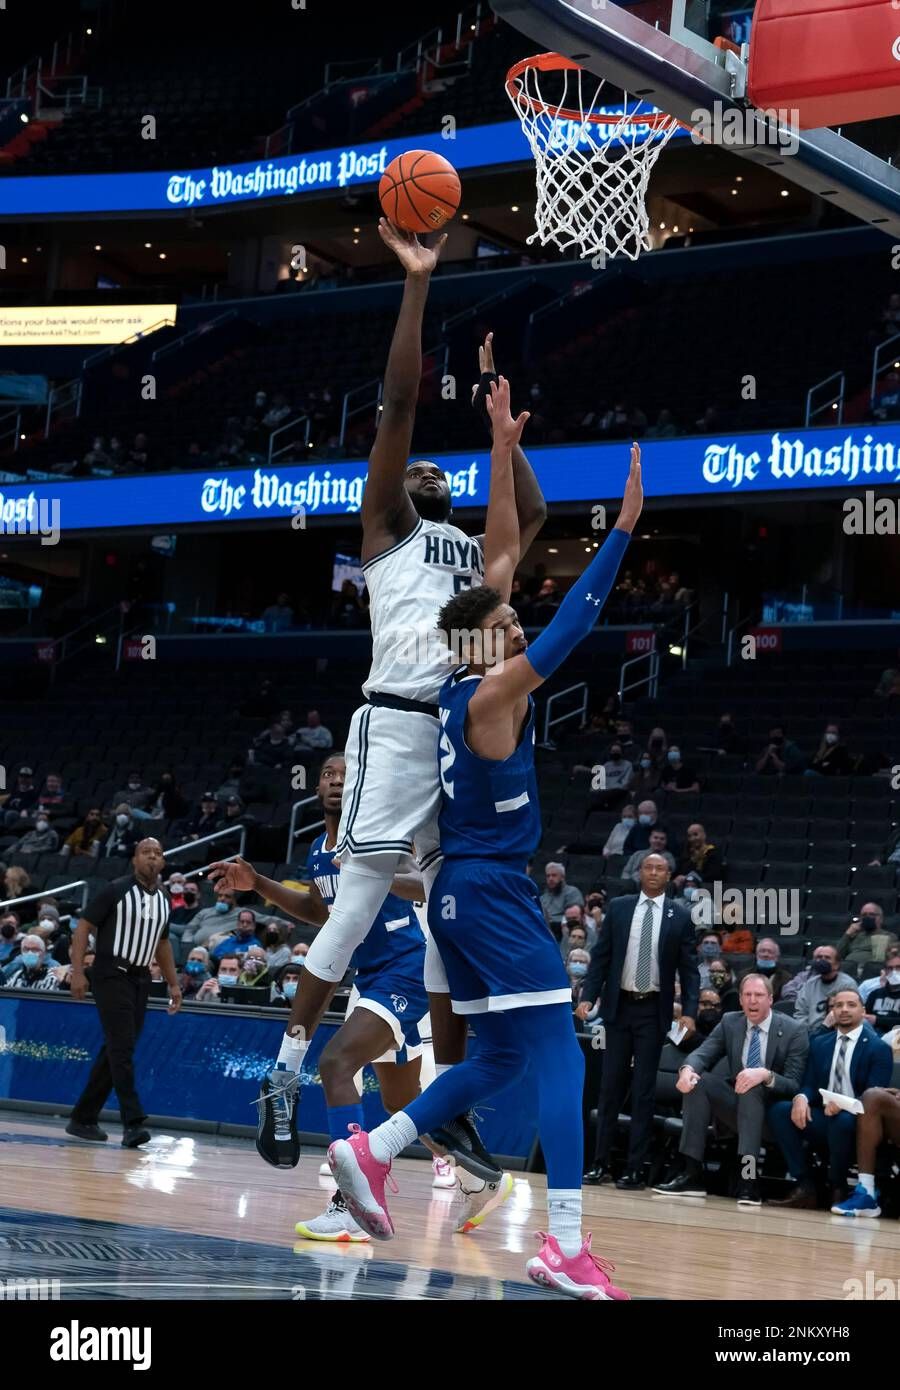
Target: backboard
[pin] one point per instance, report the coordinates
(653, 51)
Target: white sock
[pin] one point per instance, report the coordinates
(867, 1183)
(564, 1210)
(441, 1067)
(293, 1051)
(391, 1138)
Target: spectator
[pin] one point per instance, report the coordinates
(235, 814)
(206, 821)
(557, 896)
(97, 456)
(574, 938)
(273, 748)
(831, 758)
(869, 986)
(286, 987)
(679, 777)
(22, 800)
(690, 896)
(138, 456)
(279, 616)
(17, 882)
(195, 972)
(658, 746)
(658, 841)
(625, 739)
(43, 839)
(595, 909)
(726, 739)
(768, 964)
(135, 795)
(766, 1059)
(347, 609)
(86, 840)
(313, 734)
(32, 968)
(638, 836)
(825, 979)
(647, 777)
(278, 412)
(737, 940)
(700, 857)
(299, 952)
(709, 1014)
(254, 968)
(721, 979)
(241, 939)
(274, 937)
(10, 936)
(218, 920)
(847, 1063)
(167, 802)
(709, 948)
(780, 755)
(867, 940)
(883, 1004)
(52, 795)
(227, 974)
(576, 919)
(665, 427)
(890, 315)
(577, 962)
(616, 838)
(232, 783)
(185, 905)
(123, 836)
(618, 772)
(888, 684)
(52, 932)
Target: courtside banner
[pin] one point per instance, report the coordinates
(344, 166)
(861, 458)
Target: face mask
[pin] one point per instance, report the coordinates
(177, 890)
(8, 932)
(656, 743)
(221, 907)
(831, 738)
(47, 924)
(271, 938)
(226, 979)
(615, 757)
(31, 958)
(41, 826)
(134, 786)
(628, 821)
(777, 741)
(674, 756)
(645, 762)
(718, 978)
(645, 820)
(121, 821)
(290, 989)
(253, 966)
(578, 969)
(765, 964)
(298, 960)
(821, 967)
(893, 979)
(708, 1018)
(195, 967)
(709, 949)
(868, 922)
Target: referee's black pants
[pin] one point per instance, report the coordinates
(120, 993)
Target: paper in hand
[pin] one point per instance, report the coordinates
(849, 1103)
(677, 1033)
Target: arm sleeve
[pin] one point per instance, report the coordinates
(580, 608)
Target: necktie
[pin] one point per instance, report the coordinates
(839, 1066)
(754, 1051)
(645, 950)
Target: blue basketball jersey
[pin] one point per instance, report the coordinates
(395, 932)
(489, 810)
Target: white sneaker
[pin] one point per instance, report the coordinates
(324, 1170)
(478, 1202)
(444, 1175)
(335, 1223)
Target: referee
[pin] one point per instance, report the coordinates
(130, 922)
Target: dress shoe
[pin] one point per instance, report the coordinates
(683, 1185)
(134, 1136)
(92, 1132)
(597, 1175)
(748, 1193)
(631, 1182)
(800, 1199)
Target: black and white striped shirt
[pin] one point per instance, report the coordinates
(129, 922)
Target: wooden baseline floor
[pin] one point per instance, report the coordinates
(193, 1217)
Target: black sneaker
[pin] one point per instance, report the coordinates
(749, 1194)
(684, 1184)
(91, 1132)
(134, 1136)
(276, 1132)
(461, 1140)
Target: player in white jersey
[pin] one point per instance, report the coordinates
(413, 560)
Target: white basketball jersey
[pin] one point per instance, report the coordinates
(408, 585)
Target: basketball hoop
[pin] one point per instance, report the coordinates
(593, 161)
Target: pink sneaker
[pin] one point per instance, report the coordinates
(361, 1179)
(581, 1276)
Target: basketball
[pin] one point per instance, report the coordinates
(419, 191)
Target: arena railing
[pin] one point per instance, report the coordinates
(886, 354)
(294, 830)
(580, 710)
(82, 883)
(206, 840)
(835, 400)
(650, 680)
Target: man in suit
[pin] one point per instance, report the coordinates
(644, 941)
(766, 1056)
(846, 1061)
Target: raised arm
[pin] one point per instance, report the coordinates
(387, 512)
(501, 532)
(531, 508)
(575, 616)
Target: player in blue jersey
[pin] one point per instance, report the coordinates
(503, 965)
(387, 1003)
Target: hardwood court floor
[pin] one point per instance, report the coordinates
(201, 1218)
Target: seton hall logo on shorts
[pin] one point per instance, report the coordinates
(400, 1004)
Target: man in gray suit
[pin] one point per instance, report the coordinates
(766, 1059)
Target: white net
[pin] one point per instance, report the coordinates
(593, 171)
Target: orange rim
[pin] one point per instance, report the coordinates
(555, 62)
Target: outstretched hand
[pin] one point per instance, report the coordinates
(235, 875)
(507, 431)
(633, 500)
(415, 258)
